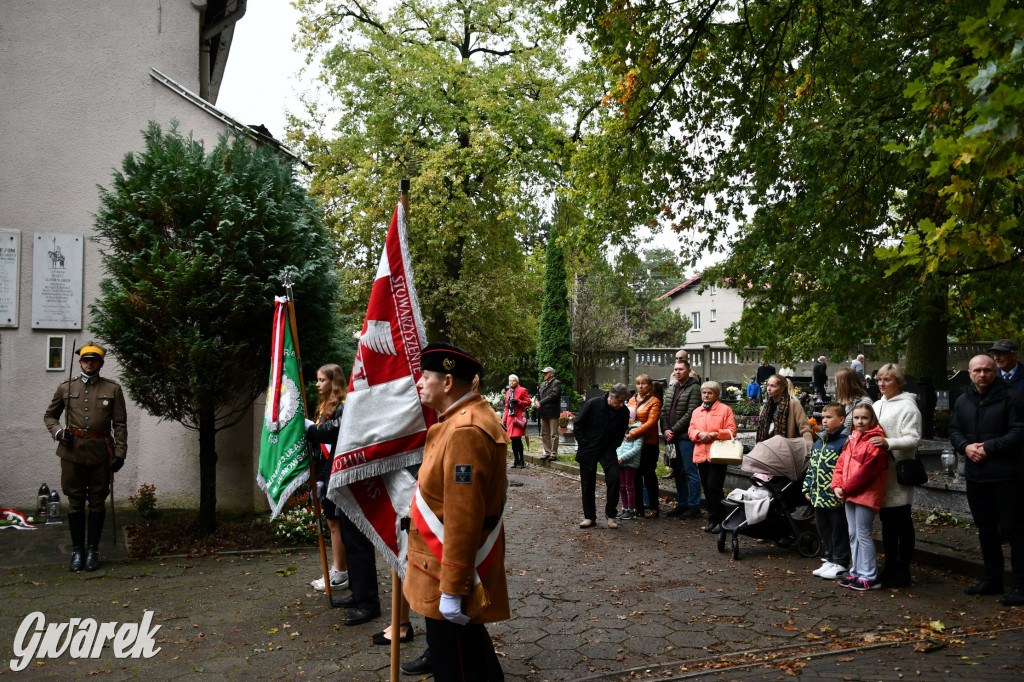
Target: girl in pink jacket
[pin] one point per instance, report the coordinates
(859, 481)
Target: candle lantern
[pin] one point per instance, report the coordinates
(42, 501)
(53, 510)
(949, 462)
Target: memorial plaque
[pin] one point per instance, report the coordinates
(10, 277)
(57, 280)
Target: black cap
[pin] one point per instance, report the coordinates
(1004, 346)
(448, 359)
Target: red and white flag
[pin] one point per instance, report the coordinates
(385, 425)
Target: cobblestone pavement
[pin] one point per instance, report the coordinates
(653, 599)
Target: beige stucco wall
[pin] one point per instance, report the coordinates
(76, 92)
(726, 303)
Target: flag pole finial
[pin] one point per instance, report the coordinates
(287, 276)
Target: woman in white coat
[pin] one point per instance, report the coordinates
(901, 420)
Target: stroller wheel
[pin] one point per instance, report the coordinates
(808, 544)
(721, 541)
(736, 548)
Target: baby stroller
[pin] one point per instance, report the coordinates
(773, 508)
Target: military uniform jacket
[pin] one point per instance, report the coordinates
(97, 407)
(463, 481)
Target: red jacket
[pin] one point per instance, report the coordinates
(861, 468)
(521, 410)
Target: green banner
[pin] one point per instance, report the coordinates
(283, 454)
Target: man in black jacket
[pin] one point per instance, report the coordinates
(820, 376)
(549, 401)
(600, 428)
(988, 428)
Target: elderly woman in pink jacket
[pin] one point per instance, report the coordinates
(712, 421)
(517, 405)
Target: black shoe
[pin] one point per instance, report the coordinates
(690, 513)
(420, 666)
(349, 602)
(676, 513)
(92, 559)
(985, 587)
(77, 559)
(1015, 598)
(363, 614)
(713, 528)
(380, 639)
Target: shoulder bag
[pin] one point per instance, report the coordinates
(910, 472)
(726, 451)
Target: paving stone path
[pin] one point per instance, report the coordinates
(653, 599)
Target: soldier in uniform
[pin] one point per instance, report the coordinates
(91, 447)
(455, 575)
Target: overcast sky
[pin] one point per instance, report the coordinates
(260, 80)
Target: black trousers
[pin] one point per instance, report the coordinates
(998, 511)
(835, 534)
(647, 477)
(588, 482)
(897, 540)
(712, 479)
(517, 450)
(462, 653)
(362, 565)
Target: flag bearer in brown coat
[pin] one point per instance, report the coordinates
(456, 571)
(91, 447)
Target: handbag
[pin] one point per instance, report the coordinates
(519, 422)
(911, 472)
(726, 451)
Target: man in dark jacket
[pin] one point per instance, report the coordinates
(549, 400)
(600, 428)
(1004, 352)
(764, 371)
(681, 399)
(988, 428)
(820, 375)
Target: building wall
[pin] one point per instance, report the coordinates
(726, 304)
(76, 95)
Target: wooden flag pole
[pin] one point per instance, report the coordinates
(286, 276)
(396, 582)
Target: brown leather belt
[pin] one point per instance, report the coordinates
(86, 433)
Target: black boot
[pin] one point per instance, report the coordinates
(76, 523)
(92, 553)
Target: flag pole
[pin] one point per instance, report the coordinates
(287, 277)
(396, 581)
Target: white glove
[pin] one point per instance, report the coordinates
(451, 608)
(309, 422)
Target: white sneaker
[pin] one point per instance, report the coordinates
(587, 523)
(339, 581)
(825, 566)
(835, 571)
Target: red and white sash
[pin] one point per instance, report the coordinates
(432, 531)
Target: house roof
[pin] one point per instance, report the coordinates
(685, 285)
(258, 132)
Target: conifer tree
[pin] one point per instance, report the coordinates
(192, 244)
(554, 345)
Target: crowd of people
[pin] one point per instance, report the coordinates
(854, 467)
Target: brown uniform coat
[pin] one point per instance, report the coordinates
(467, 435)
(96, 406)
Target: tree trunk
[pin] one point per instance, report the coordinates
(207, 472)
(926, 345)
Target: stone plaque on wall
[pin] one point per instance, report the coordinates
(10, 277)
(57, 280)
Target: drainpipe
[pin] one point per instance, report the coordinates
(207, 35)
